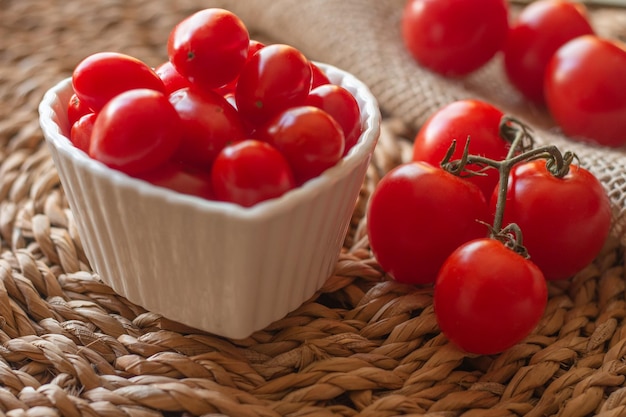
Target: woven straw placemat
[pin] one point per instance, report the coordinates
(363, 345)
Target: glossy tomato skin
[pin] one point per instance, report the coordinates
(539, 30)
(172, 80)
(209, 47)
(309, 138)
(454, 37)
(80, 133)
(177, 177)
(459, 120)
(229, 89)
(76, 109)
(318, 77)
(275, 78)
(209, 122)
(136, 131)
(249, 172)
(417, 215)
(342, 106)
(565, 222)
(488, 298)
(103, 75)
(585, 89)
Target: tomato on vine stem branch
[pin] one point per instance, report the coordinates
(487, 297)
(418, 214)
(565, 220)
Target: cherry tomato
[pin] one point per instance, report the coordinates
(229, 89)
(564, 221)
(171, 78)
(418, 215)
(76, 109)
(540, 29)
(80, 133)
(103, 75)
(136, 131)
(487, 297)
(209, 122)
(457, 121)
(318, 77)
(177, 177)
(454, 37)
(585, 89)
(342, 106)
(249, 172)
(275, 78)
(209, 47)
(311, 140)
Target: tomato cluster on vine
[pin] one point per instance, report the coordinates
(551, 55)
(226, 117)
(487, 218)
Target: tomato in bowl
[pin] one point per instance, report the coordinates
(213, 265)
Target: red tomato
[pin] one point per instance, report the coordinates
(564, 221)
(76, 109)
(318, 77)
(171, 78)
(459, 120)
(80, 133)
(487, 298)
(311, 140)
(229, 89)
(454, 37)
(540, 29)
(275, 78)
(177, 178)
(103, 75)
(585, 89)
(209, 123)
(418, 214)
(209, 47)
(136, 131)
(342, 106)
(249, 172)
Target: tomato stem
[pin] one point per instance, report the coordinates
(522, 150)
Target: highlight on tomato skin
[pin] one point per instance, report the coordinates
(310, 139)
(487, 298)
(136, 131)
(418, 214)
(216, 89)
(172, 80)
(585, 88)
(342, 106)
(180, 178)
(275, 78)
(565, 221)
(469, 119)
(207, 37)
(94, 85)
(454, 37)
(537, 32)
(81, 130)
(209, 122)
(250, 171)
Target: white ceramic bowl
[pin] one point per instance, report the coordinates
(216, 266)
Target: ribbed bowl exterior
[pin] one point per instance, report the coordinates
(214, 266)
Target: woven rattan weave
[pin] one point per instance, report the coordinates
(363, 345)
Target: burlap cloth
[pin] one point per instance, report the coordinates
(362, 346)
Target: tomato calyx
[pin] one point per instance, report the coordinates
(511, 237)
(522, 150)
